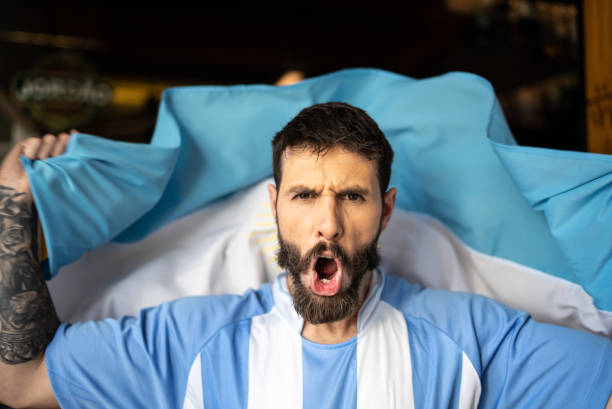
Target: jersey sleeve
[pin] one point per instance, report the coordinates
(521, 364)
(546, 366)
(135, 362)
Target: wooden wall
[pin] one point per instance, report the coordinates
(598, 73)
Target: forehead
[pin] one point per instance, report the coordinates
(338, 167)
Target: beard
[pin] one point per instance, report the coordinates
(318, 309)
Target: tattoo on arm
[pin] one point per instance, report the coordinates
(28, 319)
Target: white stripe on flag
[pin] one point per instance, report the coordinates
(422, 250)
(384, 366)
(275, 363)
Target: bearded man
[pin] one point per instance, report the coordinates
(333, 331)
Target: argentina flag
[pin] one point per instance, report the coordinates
(128, 226)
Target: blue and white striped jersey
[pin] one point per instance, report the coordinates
(415, 348)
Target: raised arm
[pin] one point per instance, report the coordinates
(28, 320)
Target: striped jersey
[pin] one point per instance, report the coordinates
(415, 348)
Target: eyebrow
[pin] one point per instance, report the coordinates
(300, 189)
(354, 189)
(351, 189)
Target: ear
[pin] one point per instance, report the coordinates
(388, 205)
(272, 196)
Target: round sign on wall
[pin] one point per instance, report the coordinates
(61, 92)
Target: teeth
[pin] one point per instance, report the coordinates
(325, 280)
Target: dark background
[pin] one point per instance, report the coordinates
(529, 50)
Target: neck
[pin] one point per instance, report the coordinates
(337, 331)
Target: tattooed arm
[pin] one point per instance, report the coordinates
(27, 317)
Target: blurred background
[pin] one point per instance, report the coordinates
(100, 67)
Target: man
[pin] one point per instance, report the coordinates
(332, 332)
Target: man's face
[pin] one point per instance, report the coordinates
(329, 213)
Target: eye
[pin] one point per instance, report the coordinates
(303, 195)
(353, 197)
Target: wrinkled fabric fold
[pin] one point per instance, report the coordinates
(574, 192)
(91, 193)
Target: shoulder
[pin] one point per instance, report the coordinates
(222, 308)
(487, 331)
(448, 310)
(203, 315)
(128, 358)
(188, 321)
(472, 322)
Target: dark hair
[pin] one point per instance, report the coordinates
(322, 127)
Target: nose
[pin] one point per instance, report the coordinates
(329, 226)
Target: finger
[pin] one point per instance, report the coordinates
(60, 144)
(46, 145)
(11, 170)
(15, 153)
(30, 147)
(73, 131)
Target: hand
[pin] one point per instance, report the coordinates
(12, 173)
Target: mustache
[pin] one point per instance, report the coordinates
(289, 257)
(320, 248)
(302, 263)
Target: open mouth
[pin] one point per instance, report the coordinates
(326, 277)
(326, 268)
